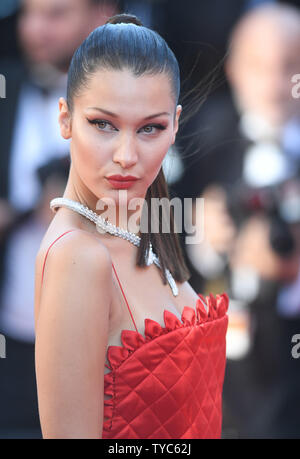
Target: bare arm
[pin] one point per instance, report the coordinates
(71, 338)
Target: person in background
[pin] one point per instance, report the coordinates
(247, 171)
(18, 400)
(48, 33)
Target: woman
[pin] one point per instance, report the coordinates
(148, 364)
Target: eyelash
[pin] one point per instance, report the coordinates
(157, 126)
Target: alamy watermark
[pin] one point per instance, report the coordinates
(296, 88)
(296, 348)
(2, 347)
(2, 87)
(188, 215)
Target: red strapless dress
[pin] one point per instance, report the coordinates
(168, 384)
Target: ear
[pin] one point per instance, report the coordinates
(176, 122)
(64, 119)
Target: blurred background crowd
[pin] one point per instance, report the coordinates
(239, 149)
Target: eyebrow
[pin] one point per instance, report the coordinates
(116, 116)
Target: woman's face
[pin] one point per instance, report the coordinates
(120, 125)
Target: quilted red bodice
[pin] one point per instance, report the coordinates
(168, 383)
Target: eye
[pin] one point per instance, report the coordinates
(152, 128)
(102, 125)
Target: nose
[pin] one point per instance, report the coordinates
(126, 151)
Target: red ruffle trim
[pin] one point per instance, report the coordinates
(216, 307)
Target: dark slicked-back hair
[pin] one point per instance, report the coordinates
(121, 43)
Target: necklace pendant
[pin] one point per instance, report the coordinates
(150, 258)
(172, 283)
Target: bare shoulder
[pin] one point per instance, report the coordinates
(77, 263)
(81, 242)
(77, 248)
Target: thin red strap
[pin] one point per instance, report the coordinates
(50, 248)
(124, 297)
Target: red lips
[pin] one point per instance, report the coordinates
(121, 181)
(122, 178)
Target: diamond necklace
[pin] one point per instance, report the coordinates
(115, 231)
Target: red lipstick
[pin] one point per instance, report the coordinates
(121, 181)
